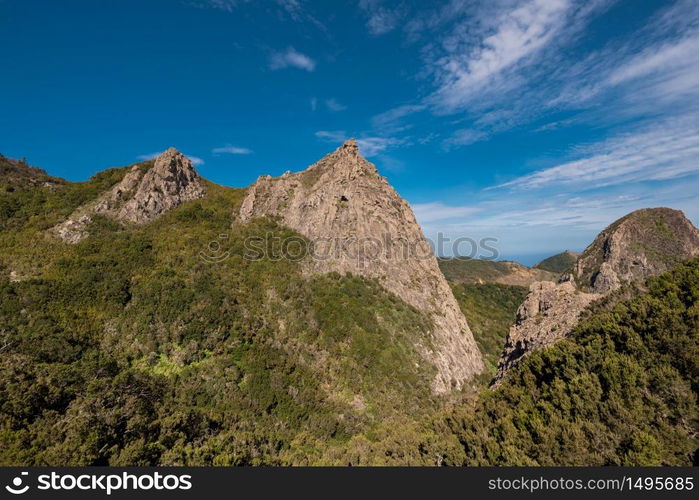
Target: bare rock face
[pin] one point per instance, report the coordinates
(140, 197)
(548, 314)
(644, 243)
(358, 224)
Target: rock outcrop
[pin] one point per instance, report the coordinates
(140, 197)
(358, 224)
(644, 243)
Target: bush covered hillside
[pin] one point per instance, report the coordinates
(490, 309)
(621, 391)
(129, 348)
(559, 263)
(166, 344)
(479, 271)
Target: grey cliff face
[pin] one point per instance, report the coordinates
(358, 224)
(140, 197)
(644, 243)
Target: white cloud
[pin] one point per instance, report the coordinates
(380, 19)
(332, 135)
(666, 150)
(368, 146)
(314, 103)
(194, 159)
(426, 213)
(233, 150)
(371, 146)
(468, 67)
(225, 5)
(463, 137)
(526, 223)
(291, 59)
(333, 105)
(391, 119)
(670, 69)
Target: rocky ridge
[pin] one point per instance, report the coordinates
(140, 197)
(644, 243)
(358, 224)
(17, 174)
(480, 271)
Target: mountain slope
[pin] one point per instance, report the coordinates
(145, 192)
(490, 309)
(358, 224)
(622, 390)
(16, 174)
(641, 244)
(465, 270)
(147, 344)
(558, 263)
(644, 243)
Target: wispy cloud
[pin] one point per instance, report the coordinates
(291, 58)
(194, 159)
(369, 146)
(427, 213)
(525, 222)
(333, 105)
(380, 19)
(225, 5)
(391, 120)
(664, 151)
(467, 67)
(294, 10)
(463, 137)
(231, 150)
(332, 135)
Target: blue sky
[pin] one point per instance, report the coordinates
(537, 122)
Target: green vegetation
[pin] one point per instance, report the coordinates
(129, 348)
(559, 263)
(466, 270)
(490, 309)
(621, 391)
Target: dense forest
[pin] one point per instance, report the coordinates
(128, 348)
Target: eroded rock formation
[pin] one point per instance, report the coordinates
(140, 197)
(358, 224)
(644, 243)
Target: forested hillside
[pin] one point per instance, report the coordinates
(621, 391)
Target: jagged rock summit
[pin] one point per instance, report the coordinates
(644, 243)
(358, 224)
(141, 196)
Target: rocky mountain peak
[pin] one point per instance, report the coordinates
(644, 243)
(357, 223)
(350, 146)
(144, 193)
